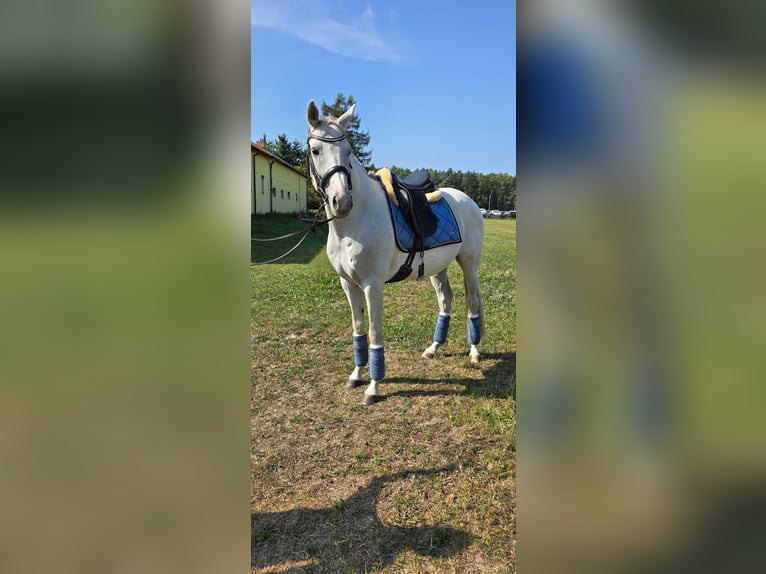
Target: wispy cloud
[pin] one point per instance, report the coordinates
(325, 25)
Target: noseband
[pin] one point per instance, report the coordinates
(321, 182)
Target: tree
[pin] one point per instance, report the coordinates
(401, 172)
(358, 139)
(449, 178)
(512, 191)
(290, 151)
(470, 185)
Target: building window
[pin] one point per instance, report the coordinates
(262, 192)
(288, 195)
(273, 191)
(281, 193)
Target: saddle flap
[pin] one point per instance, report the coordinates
(421, 213)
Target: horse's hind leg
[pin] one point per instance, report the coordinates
(444, 296)
(470, 266)
(373, 292)
(356, 301)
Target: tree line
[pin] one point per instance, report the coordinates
(490, 191)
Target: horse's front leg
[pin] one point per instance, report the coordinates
(356, 301)
(373, 292)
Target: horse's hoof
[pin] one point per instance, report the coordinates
(427, 355)
(354, 383)
(369, 400)
(475, 359)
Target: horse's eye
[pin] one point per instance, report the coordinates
(315, 151)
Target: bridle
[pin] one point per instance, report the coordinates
(320, 182)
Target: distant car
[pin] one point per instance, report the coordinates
(483, 212)
(511, 213)
(496, 213)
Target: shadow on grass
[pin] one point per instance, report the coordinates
(499, 381)
(347, 536)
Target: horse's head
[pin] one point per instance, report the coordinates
(329, 159)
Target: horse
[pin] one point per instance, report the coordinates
(361, 248)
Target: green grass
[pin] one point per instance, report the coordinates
(423, 481)
(271, 226)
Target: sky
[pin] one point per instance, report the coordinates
(434, 82)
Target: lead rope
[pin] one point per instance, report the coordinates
(314, 224)
(319, 185)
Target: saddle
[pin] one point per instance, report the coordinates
(412, 195)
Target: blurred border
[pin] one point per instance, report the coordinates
(124, 373)
(642, 315)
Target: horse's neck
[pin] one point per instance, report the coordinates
(359, 175)
(367, 200)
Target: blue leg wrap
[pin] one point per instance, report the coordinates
(442, 326)
(377, 363)
(360, 350)
(474, 329)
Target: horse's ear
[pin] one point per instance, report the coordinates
(312, 114)
(346, 117)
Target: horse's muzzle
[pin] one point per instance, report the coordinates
(341, 205)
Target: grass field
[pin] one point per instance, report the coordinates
(422, 481)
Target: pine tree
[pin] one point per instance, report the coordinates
(290, 151)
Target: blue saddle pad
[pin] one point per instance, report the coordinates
(447, 231)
